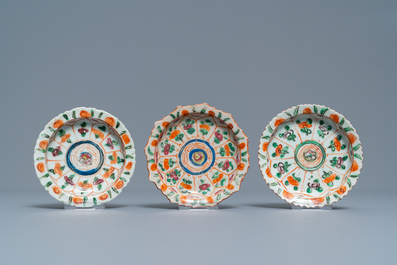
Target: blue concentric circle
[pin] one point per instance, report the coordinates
(84, 172)
(197, 157)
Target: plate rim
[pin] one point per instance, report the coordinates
(70, 115)
(198, 108)
(326, 112)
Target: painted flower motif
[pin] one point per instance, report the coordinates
(85, 158)
(204, 186)
(56, 151)
(97, 182)
(56, 190)
(109, 143)
(318, 201)
(264, 146)
(84, 185)
(218, 135)
(69, 181)
(280, 168)
(187, 127)
(341, 190)
(337, 144)
(82, 130)
(304, 125)
(167, 149)
(103, 197)
(279, 148)
(173, 175)
(40, 167)
(314, 185)
(78, 200)
(324, 129)
(226, 165)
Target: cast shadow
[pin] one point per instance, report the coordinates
(170, 206)
(159, 206)
(58, 206)
(284, 206)
(52, 206)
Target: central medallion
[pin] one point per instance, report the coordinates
(85, 158)
(196, 157)
(310, 155)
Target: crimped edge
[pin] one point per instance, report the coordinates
(346, 126)
(171, 196)
(48, 131)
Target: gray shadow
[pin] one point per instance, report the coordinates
(286, 206)
(270, 205)
(52, 206)
(57, 206)
(159, 206)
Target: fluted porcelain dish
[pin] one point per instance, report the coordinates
(84, 157)
(310, 156)
(197, 156)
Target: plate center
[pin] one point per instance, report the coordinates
(310, 155)
(196, 157)
(85, 158)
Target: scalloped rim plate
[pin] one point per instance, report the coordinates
(172, 191)
(280, 187)
(48, 178)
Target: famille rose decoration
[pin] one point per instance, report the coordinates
(84, 157)
(310, 156)
(197, 156)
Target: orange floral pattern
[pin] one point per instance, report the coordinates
(128, 166)
(165, 147)
(40, 167)
(85, 114)
(337, 144)
(58, 123)
(103, 197)
(78, 200)
(81, 125)
(334, 117)
(322, 151)
(119, 184)
(110, 121)
(43, 144)
(278, 122)
(341, 190)
(56, 190)
(98, 133)
(318, 201)
(126, 139)
(304, 125)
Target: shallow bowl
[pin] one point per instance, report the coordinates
(310, 156)
(84, 157)
(197, 156)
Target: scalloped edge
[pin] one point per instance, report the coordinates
(169, 119)
(46, 134)
(297, 110)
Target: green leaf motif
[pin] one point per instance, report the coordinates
(315, 109)
(149, 151)
(324, 110)
(296, 111)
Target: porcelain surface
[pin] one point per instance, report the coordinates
(197, 156)
(310, 156)
(84, 157)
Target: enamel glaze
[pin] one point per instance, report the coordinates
(84, 157)
(197, 156)
(310, 156)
